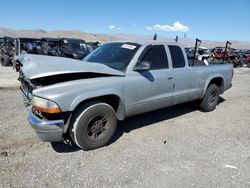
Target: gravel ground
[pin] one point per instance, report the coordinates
(173, 147)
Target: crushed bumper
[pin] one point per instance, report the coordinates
(47, 130)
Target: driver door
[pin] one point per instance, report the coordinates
(151, 89)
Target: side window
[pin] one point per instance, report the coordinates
(177, 56)
(157, 56)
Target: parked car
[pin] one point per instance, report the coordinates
(245, 58)
(71, 48)
(91, 46)
(190, 53)
(30, 45)
(7, 51)
(82, 100)
(47, 46)
(1, 41)
(221, 53)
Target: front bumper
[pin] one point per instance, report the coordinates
(47, 130)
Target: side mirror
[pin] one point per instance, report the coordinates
(142, 66)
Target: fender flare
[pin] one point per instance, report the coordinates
(210, 78)
(121, 111)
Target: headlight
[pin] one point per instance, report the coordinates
(45, 105)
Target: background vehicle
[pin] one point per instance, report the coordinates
(30, 45)
(219, 52)
(71, 48)
(82, 101)
(90, 46)
(223, 52)
(190, 53)
(1, 41)
(47, 46)
(245, 59)
(7, 50)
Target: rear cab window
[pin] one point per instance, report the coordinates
(178, 60)
(157, 57)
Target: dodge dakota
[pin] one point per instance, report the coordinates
(82, 100)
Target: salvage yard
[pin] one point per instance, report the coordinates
(173, 147)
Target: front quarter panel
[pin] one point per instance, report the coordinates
(69, 94)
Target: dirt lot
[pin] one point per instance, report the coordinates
(173, 147)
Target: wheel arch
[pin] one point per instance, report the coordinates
(217, 80)
(114, 100)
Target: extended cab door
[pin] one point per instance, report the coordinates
(149, 89)
(182, 74)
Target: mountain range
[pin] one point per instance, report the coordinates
(92, 37)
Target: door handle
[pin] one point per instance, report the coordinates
(170, 78)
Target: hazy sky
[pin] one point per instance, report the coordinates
(213, 19)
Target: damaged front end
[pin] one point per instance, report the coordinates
(26, 88)
(40, 77)
(49, 123)
(44, 115)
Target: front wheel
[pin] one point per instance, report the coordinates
(93, 125)
(210, 99)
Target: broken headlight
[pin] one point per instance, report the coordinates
(45, 105)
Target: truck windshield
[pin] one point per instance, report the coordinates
(116, 55)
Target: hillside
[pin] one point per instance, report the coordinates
(108, 37)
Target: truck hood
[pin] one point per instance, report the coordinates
(38, 66)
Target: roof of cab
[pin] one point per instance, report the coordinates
(148, 42)
(155, 42)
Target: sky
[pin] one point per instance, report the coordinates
(208, 20)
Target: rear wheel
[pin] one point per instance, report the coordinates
(93, 125)
(211, 98)
(5, 61)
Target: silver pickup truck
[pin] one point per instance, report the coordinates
(82, 100)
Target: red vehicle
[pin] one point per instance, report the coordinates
(220, 53)
(223, 53)
(245, 58)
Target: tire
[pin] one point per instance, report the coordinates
(210, 99)
(93, 125)
(5, 61)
